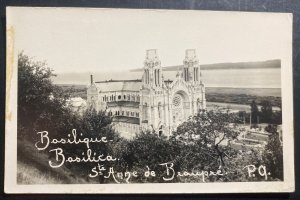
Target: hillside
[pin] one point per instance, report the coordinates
(33, 168)
(238, 65)
(244, 96)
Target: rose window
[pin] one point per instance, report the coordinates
(177, 100)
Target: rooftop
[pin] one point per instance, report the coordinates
(119, 85)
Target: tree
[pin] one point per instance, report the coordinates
(41, 104)
(42, 107)
(254, 112)
(273, 155)
(271, 128)
(148, 149)
(266, 112)
(92, 124)
(212, 131)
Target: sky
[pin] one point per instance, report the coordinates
(96, 40)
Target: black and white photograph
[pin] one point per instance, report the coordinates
(148, 101)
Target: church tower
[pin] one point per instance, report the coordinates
(93, 95)
(191, 68)
(152, 69)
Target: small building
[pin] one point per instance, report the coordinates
(77, 104)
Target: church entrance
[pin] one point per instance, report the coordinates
(180, 108)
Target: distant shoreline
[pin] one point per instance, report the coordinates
(83, 85)
(268, 64)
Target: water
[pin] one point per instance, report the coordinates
(239, 78)
(236, 78)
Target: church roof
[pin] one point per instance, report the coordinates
(129, 104)
(132, 86)
(119, 85)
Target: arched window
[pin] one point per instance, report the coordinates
(148, 77)
(145, 111)
(198, 104)
(119, 97)
(155, 77)
(158, 75)
(124, 97)
(145, 76)
(186, 74)
(160, 131)
(159, 110)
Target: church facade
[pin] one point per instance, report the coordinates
(151, 103)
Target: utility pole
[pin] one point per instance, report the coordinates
(250, 119)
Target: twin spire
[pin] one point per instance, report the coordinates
(153, 70)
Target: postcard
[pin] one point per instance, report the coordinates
(108, 101)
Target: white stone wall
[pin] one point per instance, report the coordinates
(127, 130)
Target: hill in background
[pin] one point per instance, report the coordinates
(269, 64)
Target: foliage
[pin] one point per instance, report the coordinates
(148, 149)
(266, 112)
(237, 162)
(254, 112)
(93, 124)
(273, 154)
(75, 90)
(265, 115)
(276, 117)
(213, 132)
(40, 103)
(42, 106)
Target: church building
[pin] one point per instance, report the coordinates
(151, 103)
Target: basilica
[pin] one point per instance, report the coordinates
(151, 103)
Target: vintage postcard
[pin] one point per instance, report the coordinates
(148, 101)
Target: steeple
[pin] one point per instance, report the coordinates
(92, 80)
(191, 68)
(152, 69)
